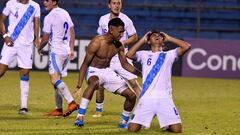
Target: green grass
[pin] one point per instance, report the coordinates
(206, 106)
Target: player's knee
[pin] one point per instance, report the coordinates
(177, 128)
(93, 85)
(133, 127)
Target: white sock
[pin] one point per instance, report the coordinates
(99, 107)
(125, 115)
(83, 106)
(58, 100)
(63, 91)
(24, 87)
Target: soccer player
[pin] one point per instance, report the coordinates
(129, 37)
(58, 30)
(156, 96)
(22, 33)
(96, 66)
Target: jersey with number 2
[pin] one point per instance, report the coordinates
(58, 23)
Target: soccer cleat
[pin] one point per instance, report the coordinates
(73, 106)
(55, 112)
(122, 124)
(97, 115)
(24, 111)
(79, 121)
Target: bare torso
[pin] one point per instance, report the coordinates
(105, 52)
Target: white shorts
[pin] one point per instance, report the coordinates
(115, 64)
(23, 54)
(108, 78)
(58, 63)
(164, 109)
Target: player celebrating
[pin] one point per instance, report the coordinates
(96, 65)
(128, 38)
(23, 30)
(59, 30)
(156, 95)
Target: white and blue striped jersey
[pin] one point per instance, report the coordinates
(156, 73)
(58, 23)
(21, 21)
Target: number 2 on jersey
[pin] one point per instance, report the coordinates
(65, 26)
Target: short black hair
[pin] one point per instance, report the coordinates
(116, 22)
(152, 32)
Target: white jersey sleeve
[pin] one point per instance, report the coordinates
(38, 11)
(138, 56)
(7, 9)
(99, 30)
(47, 25)
(103, 24)
(129, 27)
(172, 55)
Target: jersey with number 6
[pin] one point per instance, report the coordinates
(157, 71)
(58, 23)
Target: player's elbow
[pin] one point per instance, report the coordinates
(130, 55)
(187, 47)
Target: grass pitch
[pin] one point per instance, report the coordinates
(206, 107)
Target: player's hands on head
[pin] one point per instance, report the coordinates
(145, 37)
(165, 36)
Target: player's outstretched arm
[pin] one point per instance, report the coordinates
(124, 62)
(131, 40)
(91, 50)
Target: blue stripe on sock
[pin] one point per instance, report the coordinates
(125, 117)
(81, 111)
(57, 83)
(24, 78)
(98, 109)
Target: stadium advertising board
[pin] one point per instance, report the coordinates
(212, 58)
